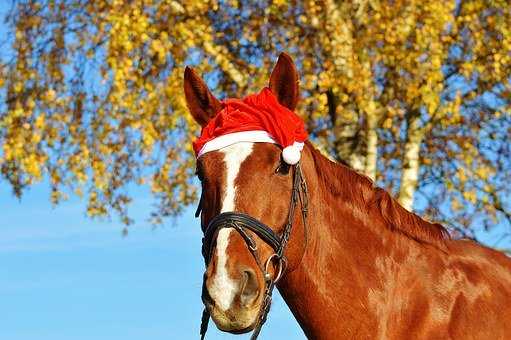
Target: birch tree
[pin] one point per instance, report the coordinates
(414, 94)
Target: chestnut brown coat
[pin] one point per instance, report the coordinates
(364, 268)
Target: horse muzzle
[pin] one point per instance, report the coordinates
(241, 315)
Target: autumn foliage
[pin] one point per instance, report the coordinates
(415, 94)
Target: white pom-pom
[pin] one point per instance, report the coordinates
(291, 154)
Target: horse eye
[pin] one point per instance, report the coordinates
(282, 168)
(199, 174)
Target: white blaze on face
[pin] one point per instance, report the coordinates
(223, 288)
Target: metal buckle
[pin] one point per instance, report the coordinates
(282, 264)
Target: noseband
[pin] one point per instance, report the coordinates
(243, 223)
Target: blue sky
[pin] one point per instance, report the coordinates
(63, 276)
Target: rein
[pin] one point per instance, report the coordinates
(243, 222)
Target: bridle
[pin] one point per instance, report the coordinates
(243, 222)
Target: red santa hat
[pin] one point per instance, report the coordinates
(256, 118)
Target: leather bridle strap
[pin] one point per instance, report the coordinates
(237, 220)
(242, 222)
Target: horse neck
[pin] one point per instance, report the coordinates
(328, 291)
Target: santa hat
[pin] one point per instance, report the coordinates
(256, 118)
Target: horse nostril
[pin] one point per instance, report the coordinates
(249, 288)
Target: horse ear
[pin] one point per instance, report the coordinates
(202, 104)
(284, 81)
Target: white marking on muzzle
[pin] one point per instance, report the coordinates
(223, 288)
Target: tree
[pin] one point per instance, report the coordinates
(415, 94)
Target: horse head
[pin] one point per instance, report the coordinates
(248, 178)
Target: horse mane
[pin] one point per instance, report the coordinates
(366, 195)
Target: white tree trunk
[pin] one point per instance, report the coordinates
(411, 166)
(372, 147)
(357, 162)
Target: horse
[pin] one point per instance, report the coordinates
(359, 266)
